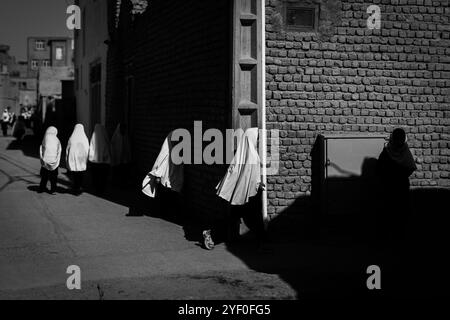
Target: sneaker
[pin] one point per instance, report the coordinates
(208, 243)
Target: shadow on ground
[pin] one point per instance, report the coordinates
(317, 254)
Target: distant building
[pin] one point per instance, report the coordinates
(9, 90)
(49, 52)
(90, 63)
(6, 61)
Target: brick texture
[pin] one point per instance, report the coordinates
(347, 78)
(344, 78)
(179, 54)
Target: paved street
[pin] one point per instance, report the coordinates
(124, 257)
(129, 257)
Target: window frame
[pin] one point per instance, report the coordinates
(294, 28)
(62, 53)
(34, 64)
(38, 47)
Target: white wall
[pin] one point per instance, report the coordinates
(96, 33)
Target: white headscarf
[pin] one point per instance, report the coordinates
(50, 150)
(120, 147)
(171, 175)
(77, 150)
(243, 177)
(99, 151)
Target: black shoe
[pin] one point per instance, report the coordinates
(52, 192)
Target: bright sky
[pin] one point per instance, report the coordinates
(20, 19)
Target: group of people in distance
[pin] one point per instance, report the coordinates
(99, 152)
(18, 124)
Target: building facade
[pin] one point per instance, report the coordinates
(304, 67)
(49, 52)
(17, 88)
(90, 63)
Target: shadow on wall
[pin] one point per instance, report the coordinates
(320, 254)
(322, 246)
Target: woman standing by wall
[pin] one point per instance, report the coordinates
(100, 158)
(76, 156)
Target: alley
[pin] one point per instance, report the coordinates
(127, 257)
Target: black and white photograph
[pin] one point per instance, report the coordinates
(244, 152)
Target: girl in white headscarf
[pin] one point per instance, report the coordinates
(100, 157)
(120, 146)
(243, 177)
(165, 183)
(164, 171)
(50, 155)
(120, 154)
(77, 155)
(241, 185)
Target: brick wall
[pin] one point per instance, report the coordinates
(347, 78)
(180, 54)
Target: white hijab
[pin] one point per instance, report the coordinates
(171, 175)
(99, 151)
(243, 177)
(50, 150)
(120, 147)
(77, 150)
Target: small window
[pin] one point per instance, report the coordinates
(303, 19)
(34, 64)
(59, 53)
(46, 63)
(40, 45)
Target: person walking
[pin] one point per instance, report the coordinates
(99, 158)
(242, 187)
(50, 155)
(19, 128)
(6, 118)
(120, 154)
(77, 152)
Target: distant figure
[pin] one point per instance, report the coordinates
(76, 156)
(99, 157)
(395, 165)
(19, 128)
(50, 154)
(12, 119)
(120, 154)
(5, 121)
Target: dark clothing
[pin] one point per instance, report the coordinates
(47, 175)
(394, 201)
(100, 173)
(77, 179)
(392, 174)
(5, 128)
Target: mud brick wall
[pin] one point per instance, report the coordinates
(180, 54)
(345, 78)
